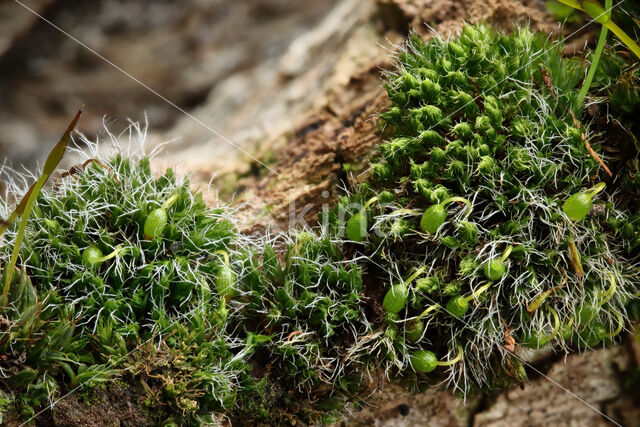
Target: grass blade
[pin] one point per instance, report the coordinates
(595, 59)
(24, 207)
(595, 10)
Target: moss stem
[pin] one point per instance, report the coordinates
(506, 253)
(556, 320)
(610, 292)
(477, 293)
(225, 256)
(115, 252)
(596, 189)
(452, 361)
(618, 329)
(169, 202)
(415, 274)
(461, 200)
(429, 309)
(369, 203)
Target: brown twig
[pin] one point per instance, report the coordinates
(76, 169)
(292, 334)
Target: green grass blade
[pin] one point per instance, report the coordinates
(57, 153)
(573, 3)
(53, 159)
(596, 58)
(595, 10)
(18, 210)
(50, 165)
(624, 37)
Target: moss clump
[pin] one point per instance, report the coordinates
(89, 320)
(459, 241)
(483, 121)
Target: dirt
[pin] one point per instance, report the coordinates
(115, 404)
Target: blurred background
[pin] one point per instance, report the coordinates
(234, 65)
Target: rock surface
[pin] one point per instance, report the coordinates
(579, 390)
(190, 52)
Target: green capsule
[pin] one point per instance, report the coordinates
(414, 330)
(396, 298)
(157, 219)
(436, 215)
(423, 360)
(92, 256)
(225, 281)
(357, 227)
(426, 361)
(458, 306)
(433, 218)
(578, 205)
(494, 269)
(155, 223)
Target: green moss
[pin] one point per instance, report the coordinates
(508, 144)
(294, 328)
